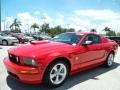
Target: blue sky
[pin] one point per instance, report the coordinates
(12, 7)
(62, 10)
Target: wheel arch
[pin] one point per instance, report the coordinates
(4, 40)
(64, 59)
(112, 51)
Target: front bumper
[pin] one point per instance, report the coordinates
(25, 74)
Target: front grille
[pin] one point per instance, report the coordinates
(14, 59)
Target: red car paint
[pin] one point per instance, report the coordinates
(44, 52)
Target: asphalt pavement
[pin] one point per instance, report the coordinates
(99, 78)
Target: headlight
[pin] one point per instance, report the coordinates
(29, 62)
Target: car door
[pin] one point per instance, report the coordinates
(90, 54)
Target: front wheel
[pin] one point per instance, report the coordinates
(110, 60)
(56, 74)
(4, 42)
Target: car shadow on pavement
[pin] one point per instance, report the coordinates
(70, 82)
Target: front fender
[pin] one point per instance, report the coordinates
(54, 56)
(51, 57)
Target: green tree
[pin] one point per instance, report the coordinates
(52, 32)
(57, 30)
(118, 34)
(15, 26)
(71, 30)
(111, 33)
(45, 28)
(35, 26)
(93, 30)
(106, 29)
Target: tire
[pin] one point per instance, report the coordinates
(110, 60)
(56, 74)
(5, 42)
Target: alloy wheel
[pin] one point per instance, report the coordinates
(58, 73)
(110, 59)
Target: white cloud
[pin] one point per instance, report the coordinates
(88, 18)
(81, 24)
(5, 24)
(2, 25)
(46, 18)
(9, 19)
(98, 14)
(60, 20)
(80, 20)
(26, 17)
(27, 20)
(113, 24)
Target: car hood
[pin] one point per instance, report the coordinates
(38, 48)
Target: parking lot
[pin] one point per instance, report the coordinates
(99, 78)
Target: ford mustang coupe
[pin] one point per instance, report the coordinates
(52, 61)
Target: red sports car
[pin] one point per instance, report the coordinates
(52, 61)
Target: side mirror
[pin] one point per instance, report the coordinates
(87, 43)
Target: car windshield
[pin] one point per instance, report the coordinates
(69, 38)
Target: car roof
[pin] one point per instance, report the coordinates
(84, 33)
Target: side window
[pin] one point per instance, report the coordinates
(95, 38)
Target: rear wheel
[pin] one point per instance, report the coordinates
(56, 74)
(110, 60)
(4, 42)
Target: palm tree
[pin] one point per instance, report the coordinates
(15, 26)
(35, 26)
(93, 30)
(107, 29)
(45, 28)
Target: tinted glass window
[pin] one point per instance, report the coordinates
(69, 38)
(94, 38)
